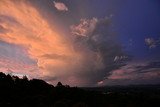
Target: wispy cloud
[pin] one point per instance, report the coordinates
(15, 59)
(120, 58)
(151, 42)
(139, 73)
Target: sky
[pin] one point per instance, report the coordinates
(81, 42)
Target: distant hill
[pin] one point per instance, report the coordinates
(16, 92)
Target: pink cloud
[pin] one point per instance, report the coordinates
(60, 6)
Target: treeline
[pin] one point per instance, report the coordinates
(16, 92)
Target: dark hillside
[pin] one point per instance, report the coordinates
(16, 92)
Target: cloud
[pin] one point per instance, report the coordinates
(93, 34)
(147, 67)
(60, 6)
(85, 28)
(2, 29)
(83, 58)
(54, 56)
(15, 59)
(27, 28)
(151, 42)
(145, 73)
(120, 58)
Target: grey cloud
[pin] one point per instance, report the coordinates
(119, 58)
(132, 74)
(7, 20)
(49, 78)
(151, 42)
(54, 56)
(149, 67)
(94, 34)
(3, 30)
(137, 81)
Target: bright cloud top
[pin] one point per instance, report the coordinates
(85, 28)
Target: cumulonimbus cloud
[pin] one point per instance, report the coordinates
(83, 60)
(93, 34)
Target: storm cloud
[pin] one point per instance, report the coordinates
(94, 35)
(83, 57)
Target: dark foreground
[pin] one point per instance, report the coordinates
(15, 92)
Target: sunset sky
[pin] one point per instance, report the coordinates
(81, 42)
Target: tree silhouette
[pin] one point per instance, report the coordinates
(16, 92)
(59, 84)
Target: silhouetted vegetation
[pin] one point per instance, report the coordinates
(16, 92)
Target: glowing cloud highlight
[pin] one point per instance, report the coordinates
(25, 26)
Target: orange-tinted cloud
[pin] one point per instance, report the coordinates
(83, 58)
(54, 53)
(26, 27)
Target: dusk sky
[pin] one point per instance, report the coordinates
(81, 42)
